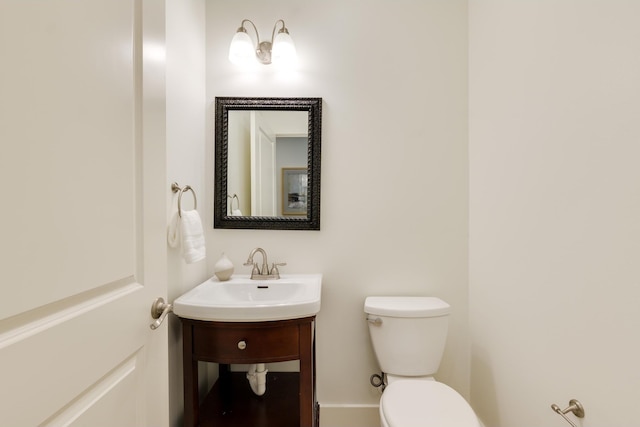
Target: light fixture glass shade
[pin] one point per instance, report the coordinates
(241, 51)
(283, 51)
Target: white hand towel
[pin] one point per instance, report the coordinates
(193, 248)
(186, 231)
(236, 212)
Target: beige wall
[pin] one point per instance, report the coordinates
(553, 199)
(185, 65)
(554, 101)
(394, 166)
(554, 209)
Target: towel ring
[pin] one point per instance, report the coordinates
(176, 189)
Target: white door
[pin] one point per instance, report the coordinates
(83, 213)
(263, 167)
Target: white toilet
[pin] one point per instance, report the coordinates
(408, 336)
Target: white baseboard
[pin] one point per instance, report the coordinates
(349, 415)
(352, 416)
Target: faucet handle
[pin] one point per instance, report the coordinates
(274, 268)
(255, 270)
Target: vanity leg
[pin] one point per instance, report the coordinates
(316, 407)
(190, 374)
(306, 376)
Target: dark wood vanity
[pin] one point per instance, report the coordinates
(231, 402)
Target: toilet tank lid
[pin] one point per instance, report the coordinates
(406, 306)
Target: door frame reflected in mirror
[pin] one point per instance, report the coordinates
(222, 218)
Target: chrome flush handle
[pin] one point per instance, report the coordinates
(375, 320)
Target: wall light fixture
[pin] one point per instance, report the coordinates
(280, 49)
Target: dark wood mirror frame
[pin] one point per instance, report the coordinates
(221, 219)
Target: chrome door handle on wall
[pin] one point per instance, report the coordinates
(159, 310)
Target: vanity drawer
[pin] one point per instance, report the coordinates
(250, 343)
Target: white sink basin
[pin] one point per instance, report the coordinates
(241, 299)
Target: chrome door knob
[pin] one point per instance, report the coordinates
(159, 310)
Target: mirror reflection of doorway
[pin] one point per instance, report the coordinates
(261, 143)
(263, 167)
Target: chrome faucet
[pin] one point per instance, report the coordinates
(263, 272)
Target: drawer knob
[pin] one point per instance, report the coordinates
(242, 345)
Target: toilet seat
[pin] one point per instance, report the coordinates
(411, 403)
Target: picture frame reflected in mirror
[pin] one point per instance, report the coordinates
(294, 191)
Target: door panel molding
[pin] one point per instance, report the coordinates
(92, 397)
(31, 322)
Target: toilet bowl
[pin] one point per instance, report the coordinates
(408, 336)
(415, 403)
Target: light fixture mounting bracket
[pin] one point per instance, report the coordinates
(264, 52)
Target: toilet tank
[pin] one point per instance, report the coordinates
(408, 334)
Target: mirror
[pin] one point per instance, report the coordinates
(267, 163)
